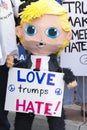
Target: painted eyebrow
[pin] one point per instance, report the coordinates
(54, 25)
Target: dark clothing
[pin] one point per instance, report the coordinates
(23, 121)
(4, 123)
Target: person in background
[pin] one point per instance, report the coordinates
(8, 8)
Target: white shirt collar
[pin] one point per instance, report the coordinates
(44, 62)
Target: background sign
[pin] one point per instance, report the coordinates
(35, 91)
(75, 55)
(0, 52)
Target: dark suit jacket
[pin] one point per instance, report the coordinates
(53, 66)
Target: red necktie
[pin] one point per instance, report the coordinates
(38, 63)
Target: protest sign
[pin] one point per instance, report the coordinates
(0, 52)
(75, 54)
(40, 92)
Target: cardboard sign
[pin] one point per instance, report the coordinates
(39, 92)
(75, 55)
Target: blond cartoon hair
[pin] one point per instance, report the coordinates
(50, 7)
(42, 7)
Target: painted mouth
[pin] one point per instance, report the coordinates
(41, 45)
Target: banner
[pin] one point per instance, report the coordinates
(75, 55)
(39, 92)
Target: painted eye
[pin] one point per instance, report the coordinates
(52, 32)
(30, 30)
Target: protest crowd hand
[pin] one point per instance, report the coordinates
(10, 61)
(72, 84)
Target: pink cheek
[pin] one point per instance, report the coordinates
(25, 38)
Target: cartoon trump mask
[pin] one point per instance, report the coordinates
(44, 32)
(44, 27)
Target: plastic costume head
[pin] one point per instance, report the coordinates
(44, 28)
(44, 32)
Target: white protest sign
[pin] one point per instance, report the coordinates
(75, 55)
(39, 92)
(0, 52)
